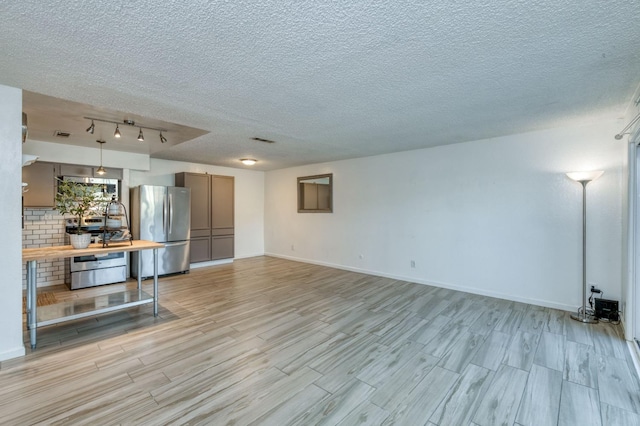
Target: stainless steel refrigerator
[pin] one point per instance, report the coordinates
(161, 214)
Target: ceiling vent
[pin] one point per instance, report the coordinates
(61, 134)
(263, 140)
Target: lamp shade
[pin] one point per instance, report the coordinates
(585, 176)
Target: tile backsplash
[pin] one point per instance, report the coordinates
(44, 228)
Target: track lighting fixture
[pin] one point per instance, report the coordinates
(101, 170)
(117, 133)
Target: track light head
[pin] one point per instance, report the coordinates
(91, 128)
(618, 136)
(140, 135)
(117, 132)
(162, 138)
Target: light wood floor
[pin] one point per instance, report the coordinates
(267, 341)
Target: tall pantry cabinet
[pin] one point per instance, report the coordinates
(212, 226)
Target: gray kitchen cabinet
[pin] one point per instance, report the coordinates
(200, 201)
(199, 249)
(222, 213)
(222, 247)
(212, 215)
(41, 180)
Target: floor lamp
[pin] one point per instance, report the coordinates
(584, 178)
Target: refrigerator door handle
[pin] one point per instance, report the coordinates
(170, 215)
(164, 216)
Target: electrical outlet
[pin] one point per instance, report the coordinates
(413, 263)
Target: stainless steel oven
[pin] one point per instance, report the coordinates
(90, 271)
(94, 270)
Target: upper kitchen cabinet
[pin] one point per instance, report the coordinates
(200, 201)
(89, 171)
(222, 211)
(41, 188)
(222, 217)
(212, 215)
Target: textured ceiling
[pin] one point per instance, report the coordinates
(328, 80)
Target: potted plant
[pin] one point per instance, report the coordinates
(77, 199)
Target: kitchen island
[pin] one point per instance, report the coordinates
(80, 308)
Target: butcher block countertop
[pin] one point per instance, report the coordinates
(57, 252)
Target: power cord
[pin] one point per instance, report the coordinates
(601, 293)
(591, 311)
(611, 321)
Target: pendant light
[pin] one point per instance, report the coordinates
(162, 138)
(91, 128)
(117, 132)
(101, 170)
(140, 135)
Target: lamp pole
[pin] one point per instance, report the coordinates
(584, 178)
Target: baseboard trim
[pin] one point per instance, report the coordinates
(472, 290)
(247, 256)
(13, 353)
(210, 263)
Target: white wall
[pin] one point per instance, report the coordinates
(495, 217)
(249, 198)
(11, 254)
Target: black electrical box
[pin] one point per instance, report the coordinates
(606, 309)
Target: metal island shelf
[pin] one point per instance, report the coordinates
(80, 308)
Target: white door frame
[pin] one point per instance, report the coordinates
(632, 308)
(631, 326)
